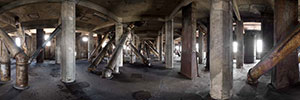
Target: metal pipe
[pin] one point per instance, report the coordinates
(40, 49)
(137, 53)
(154, 51)
(21, 61)
(112, 62)
(5, 64)
(279, 52)
(94, 52)
(100, 56)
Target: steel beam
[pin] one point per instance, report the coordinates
(94, 52)
(21, 61)
(137, 53)
(100, 56)
(113, 60)
(153, 50)
(5, 63)
(40, 49)
(278, 53)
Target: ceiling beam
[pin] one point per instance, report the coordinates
(9, 20)
(178, 8)
(103, 25)
(236, 10)
(100, 9)
(83, 3)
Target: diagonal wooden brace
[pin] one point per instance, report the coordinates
(279, 52)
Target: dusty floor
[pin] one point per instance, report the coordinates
(163, 84)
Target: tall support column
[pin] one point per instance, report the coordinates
(268, 34)
(206, 49)
(118, 34)
(169, 43)
(240, 40)
(221, 49)
(161, 45)
(39, 43)
(188, 58)
(5, 63)
(249, 53)
(132, 55)
(158, 42)
(286, 72)
(200, 46)
(58, 49)
(68, 18)
(90, 44)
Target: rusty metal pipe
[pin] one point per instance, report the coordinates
(112, 62)
(40, 49)
(5, 64)
(279, 52)
(137, 53)
(100, 56)
(154, 51)
(94, 52)
(21, 61)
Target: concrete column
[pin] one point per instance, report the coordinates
(240, 40)
(268, 34)
(161, 45)
(132, 55)
(221, 49)
(189, 58)
(157, 42)
(286, 72)
(118, 34)
(200, 46)
(57, 49)
(68, 18)
(249, 52)
(5, 63)
(39, 42)
(90, 44)
(169, 43)
(206, 50)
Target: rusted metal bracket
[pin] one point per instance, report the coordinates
(279, 52)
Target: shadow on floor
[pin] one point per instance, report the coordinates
(11, 94)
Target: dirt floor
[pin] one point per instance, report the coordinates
(135, 80)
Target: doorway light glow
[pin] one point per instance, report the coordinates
(85, 39)
(46, 37)
(235, 46)
(18, 41)
(259, 46)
